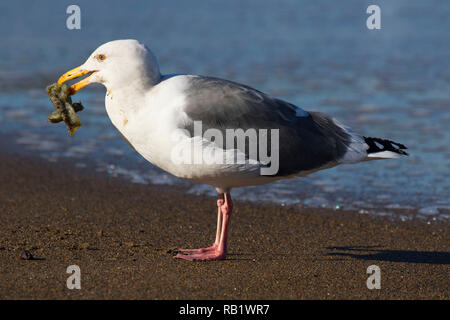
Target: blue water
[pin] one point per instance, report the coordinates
(392, 83)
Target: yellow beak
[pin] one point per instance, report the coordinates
(72, 74)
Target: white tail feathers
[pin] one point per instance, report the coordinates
(383, 155)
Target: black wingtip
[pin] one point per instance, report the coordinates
(379, 145)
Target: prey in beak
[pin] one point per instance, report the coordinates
(73, 74)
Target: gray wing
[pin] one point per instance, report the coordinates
(307, 140)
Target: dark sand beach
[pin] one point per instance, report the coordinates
(122, 236)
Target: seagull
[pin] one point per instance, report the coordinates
(197, 128)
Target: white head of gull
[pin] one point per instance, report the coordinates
(178, 123)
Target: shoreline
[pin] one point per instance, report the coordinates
(399, 213)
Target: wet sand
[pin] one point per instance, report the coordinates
(122, 236)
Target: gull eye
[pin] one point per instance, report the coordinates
(101, 57)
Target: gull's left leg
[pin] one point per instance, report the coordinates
(220, 202)
(220, 252)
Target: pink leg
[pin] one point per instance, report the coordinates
(220, 202)
(219, 251)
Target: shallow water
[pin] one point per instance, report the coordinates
(391, 83)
